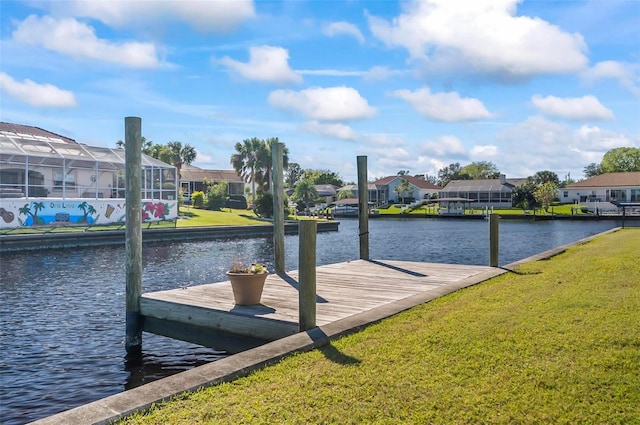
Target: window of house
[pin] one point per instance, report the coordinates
(565, 194)
(59, 178)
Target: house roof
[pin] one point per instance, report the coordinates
(481, 185)
(415, 181)
(20, 129)
(517, 182)
(195, 174)
(326, 189)
(354, 187)
(609, 180)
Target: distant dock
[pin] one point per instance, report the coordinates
(201, 314)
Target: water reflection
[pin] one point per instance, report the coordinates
(62, 324)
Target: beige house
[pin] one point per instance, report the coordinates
(192, 179)
(609, 187)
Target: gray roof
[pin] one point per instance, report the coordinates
(484, 185)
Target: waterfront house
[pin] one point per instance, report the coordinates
(604, 188)
(418, 189)
(482, 193)
(49, 179)
(192, 179)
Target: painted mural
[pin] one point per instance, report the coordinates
(52, 212)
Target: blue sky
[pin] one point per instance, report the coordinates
(417, 85)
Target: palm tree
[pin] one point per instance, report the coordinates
(305, 191)
(146, 145)
(244, 161)
(181, 154)
(252, 161)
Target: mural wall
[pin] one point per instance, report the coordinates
(21, 212)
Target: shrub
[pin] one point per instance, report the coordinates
(217, 195)
(264, 205)
(197, 199)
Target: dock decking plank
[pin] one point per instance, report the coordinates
(343, 289)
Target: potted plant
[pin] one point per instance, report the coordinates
(247, 282)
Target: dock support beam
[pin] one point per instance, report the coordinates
(363, 208)
(277, 161)
(133, 233)
(493, 240)
(307, 275)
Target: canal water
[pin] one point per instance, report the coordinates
(62, 322)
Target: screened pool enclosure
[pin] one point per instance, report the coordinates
(46, 180)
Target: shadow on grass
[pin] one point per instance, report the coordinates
(517, 272)
(333, 354)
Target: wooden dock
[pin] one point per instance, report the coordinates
(201, 314)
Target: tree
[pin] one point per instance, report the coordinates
(481, 170)
(323, 177)
(451, 172)
(145, 145)
(264, 163)
(245, 162)
(523, 196)
(161, 152)
(345, 194)
(305, 192)
(252, 161)
(592, 170)
(217, 195)
(542, 177)
(181, 154)
(293, 174)
(546, 193)
(402, 189)
(402, 173)
(619, 160)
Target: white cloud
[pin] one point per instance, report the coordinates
(552, 146)
(481, 36)
(378, 73)
(71, 37)
(204, 15)
(36, 94)
(333, 130)
(324, 104)
(593, 138)
(447, 106)
(266, 63)
(572, 108)
(627, 75)
(338, 28)
(330, 72)
(444, 146)
(484, 152)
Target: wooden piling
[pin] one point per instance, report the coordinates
(363, 207)
(277, 153)
(307, 275)
(133, 233)
(493, 240)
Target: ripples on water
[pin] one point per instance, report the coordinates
(62, 333)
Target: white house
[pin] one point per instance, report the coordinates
(419, 189)
(609, 187)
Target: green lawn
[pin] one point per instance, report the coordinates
(191, 217)
(556, 342)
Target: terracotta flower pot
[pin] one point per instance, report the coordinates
(247, 287)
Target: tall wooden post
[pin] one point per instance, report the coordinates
(493, 240)
(307, 274)
(363, 207)
(277, 153)
(133, 233)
